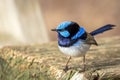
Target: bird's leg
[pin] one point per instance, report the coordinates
(66, 66)
(84, 66)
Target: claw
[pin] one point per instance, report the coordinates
(66, 69)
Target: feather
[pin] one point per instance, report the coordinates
(90, 40)
(102, 29)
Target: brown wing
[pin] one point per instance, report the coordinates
(90, 39)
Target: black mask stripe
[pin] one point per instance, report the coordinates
(72, 29)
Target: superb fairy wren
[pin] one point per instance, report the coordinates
(73, 40)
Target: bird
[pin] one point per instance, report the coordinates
(75, 41)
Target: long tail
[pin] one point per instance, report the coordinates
(102, 29)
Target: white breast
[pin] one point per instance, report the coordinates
(78, 49)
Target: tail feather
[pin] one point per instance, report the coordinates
(102, 29)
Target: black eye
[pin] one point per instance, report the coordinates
(60, 30)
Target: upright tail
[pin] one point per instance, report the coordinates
(102, 29)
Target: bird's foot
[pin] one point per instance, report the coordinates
(66, 69)
(82, 69)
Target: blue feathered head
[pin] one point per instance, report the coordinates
(69, 29)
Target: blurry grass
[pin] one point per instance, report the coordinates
(19, 69)
(13, 72)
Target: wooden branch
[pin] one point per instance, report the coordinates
(102, 62)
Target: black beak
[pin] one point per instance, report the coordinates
(53, 29)
(57, 30)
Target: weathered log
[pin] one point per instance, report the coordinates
(46, 62)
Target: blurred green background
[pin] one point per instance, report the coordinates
(30, 21)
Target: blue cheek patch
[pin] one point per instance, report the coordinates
(65, 34)
(80, 32)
